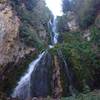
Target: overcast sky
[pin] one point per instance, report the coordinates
(55, 6)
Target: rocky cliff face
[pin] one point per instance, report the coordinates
(9, 25)
(12, 51)
(10, 46)
(19, 28)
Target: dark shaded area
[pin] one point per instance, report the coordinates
(41, 77)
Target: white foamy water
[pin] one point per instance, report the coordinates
(22, 90)
(55, 37)
(51, 46)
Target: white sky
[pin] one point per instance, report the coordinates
(55, 6)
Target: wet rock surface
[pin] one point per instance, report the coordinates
(40, 78)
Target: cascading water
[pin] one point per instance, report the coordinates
(22, 90)
(35, 81)
(55, 34)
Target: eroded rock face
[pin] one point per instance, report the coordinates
(9, 25)
(10, 45)
(11, 49)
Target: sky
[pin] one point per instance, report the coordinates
(55, 6)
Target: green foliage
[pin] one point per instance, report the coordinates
(34, 18)
(95, 35)
(80, 56)
(30, 37)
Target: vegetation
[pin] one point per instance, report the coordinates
(81, 55)
(34, 18)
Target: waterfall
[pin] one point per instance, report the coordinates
(31, 84)
(35, 81)
(22, 90)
